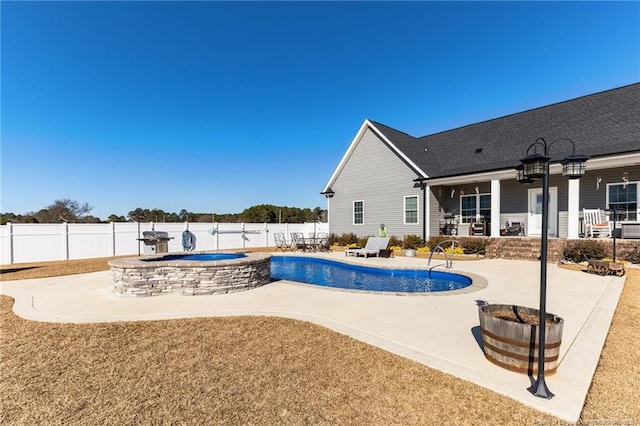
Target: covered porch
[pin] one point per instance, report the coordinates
(495, 204)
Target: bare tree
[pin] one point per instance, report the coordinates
(64, 210)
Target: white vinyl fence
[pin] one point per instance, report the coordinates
(41, 242)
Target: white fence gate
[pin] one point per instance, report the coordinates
(41, 242)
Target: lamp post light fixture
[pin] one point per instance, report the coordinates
(520, 176)
(532, 167)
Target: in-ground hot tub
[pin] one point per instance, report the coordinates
(189, 274)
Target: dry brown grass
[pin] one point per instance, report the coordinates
(258, 370)
(615, 390)
(24, 271)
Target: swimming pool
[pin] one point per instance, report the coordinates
(330, 273)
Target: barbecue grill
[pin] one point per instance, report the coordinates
(155, 242)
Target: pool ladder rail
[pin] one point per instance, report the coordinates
(448, 258)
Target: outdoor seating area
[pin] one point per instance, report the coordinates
(449, 224)
(599, 223)
(372, 248)
(314, 242)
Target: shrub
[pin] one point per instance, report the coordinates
(474, 245)
(424, 250)
(346, 239)
(437, 239)
(581, 250)
(332, 239)
(394, 241)
(412, 241)
(634, 256)
(456, 250)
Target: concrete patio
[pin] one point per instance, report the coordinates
(441, 331)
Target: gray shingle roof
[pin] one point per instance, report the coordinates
(600, 124)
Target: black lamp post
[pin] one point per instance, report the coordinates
(535, 166)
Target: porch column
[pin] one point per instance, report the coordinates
(573, 214)
(495, 208)
(427, 209)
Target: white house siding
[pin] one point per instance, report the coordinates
(377, 176)
(436, 213)
(592, 197)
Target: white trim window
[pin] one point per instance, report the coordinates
(475, 207)
(358, 212)
(411, 210)
(624, 197)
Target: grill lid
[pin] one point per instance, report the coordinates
(155, 235)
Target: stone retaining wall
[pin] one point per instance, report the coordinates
(137, 278)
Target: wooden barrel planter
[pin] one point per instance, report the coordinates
(510, 338)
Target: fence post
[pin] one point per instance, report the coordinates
(10, 241)
(112, 240)
(216, 227)
(65, 240)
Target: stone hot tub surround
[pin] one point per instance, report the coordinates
(157, 275)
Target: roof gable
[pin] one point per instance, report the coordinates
(383, 133)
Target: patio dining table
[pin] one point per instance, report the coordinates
(314, 243)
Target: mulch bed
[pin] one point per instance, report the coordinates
(521, 318)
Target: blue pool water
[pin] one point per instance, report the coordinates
(201, 257)
(342, 275)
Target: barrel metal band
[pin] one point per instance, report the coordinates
(550, 345)
(520, 356)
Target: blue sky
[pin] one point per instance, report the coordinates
(217, 106)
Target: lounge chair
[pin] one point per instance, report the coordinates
(594, 224)
(372, 248)
(383, 242)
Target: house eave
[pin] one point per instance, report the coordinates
(597, 163)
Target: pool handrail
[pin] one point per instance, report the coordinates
(448, 260)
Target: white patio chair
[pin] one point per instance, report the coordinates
(297, 241)
(595, 223)
(281, 243)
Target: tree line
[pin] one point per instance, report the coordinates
(66, 210)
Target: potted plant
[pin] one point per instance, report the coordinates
(510, 337)
(411, 243)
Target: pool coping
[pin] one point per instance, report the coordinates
(154, 261)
